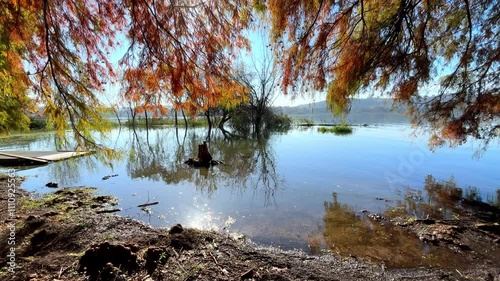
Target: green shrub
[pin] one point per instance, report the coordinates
(305, 122)
(37, 123)
(280, 122)
(342, 129)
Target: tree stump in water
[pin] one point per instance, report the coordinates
(203, 154)
(204, 157)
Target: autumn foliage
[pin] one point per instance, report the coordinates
(438, 58)
(182, 54)
(59, 54)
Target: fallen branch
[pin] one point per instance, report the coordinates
(108, 211)
(148, 204)
(247, 275)
(223, 270)
(109, 176)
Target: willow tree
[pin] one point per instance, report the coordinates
(58, 55)
(55, 54)
(400, 48)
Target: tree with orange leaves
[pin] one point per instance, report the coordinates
(58, 53)
(397, 48)
(183, 54)
(14, 104)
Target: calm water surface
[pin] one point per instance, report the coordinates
(294, 190)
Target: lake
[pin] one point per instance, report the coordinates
(291, 190)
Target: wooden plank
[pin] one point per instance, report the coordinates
(37, 157)
(61, 155)
(34, 159)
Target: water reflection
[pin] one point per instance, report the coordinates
(34, 141)
(247, 163)
(68, 172)
(378, 240)
(247, 187)
(348, 234)
(440, 200)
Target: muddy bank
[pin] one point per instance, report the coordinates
(65, 236)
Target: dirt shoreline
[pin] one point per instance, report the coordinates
(62, 236)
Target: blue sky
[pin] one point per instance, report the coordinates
(259, 42)
(111, 95)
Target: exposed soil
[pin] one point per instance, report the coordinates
(64, 236)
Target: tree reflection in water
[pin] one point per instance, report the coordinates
(248, 163)
(67, 172)
(349, 233)
(440, 200)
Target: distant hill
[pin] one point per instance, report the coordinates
(363, 111)
(370, 111)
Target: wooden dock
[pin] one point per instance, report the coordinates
(10, 158)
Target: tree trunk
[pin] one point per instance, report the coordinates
(207, 113)
(224, 119)
(185, 120)
(133, 113)
(147, 126)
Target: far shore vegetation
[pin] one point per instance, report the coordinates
(342, 129)
(140, 122)
(277, 121)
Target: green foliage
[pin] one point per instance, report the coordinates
(305, 122)
(259, 6)
(338, 130)
(38, 123)
(243, 120)
(280, 122)
(12, 115)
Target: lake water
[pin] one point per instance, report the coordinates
(289, 190)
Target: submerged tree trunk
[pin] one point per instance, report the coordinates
(207, 114)
(225, 117)
(147, 126)
(185, 120)
(117, 116)
(133, 113)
